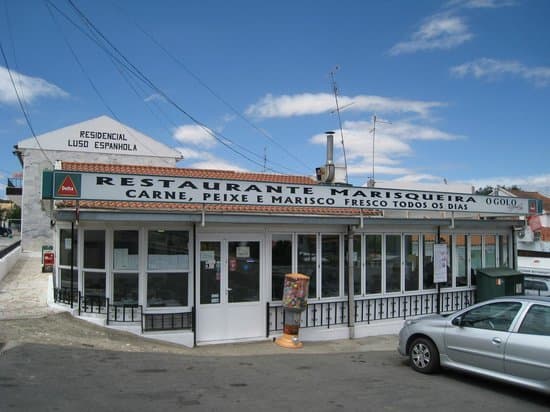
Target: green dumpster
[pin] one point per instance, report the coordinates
(497, 282)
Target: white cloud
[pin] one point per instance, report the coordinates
(28, 88)
(393, 142)
(155, 97)
(441, 31)
(195, 135)
(536, 183)
(317, 103)
(492, 69)
(420, 178)
(200, 159)
(481, 4)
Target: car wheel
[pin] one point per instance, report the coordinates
(424, 356)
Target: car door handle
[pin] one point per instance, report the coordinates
(496, 341)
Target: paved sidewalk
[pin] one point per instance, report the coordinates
(23, 291)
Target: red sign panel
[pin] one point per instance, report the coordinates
(49, 259)
(67, 188)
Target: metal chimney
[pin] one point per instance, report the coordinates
(329, 168)
(330, 147)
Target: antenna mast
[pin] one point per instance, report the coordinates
(335, 91)
(371, 181)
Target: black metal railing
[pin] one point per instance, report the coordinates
(124, 313)
(63, 295)
(327, 314)
(167, 321)
(92, 304)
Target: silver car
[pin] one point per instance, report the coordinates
(506, 339)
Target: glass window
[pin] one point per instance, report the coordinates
(168, 250)
(503, 251)
(66, 279)
(281, 263)
(65, 247)
(412, 253)
(475, 255)
(537, 321)
(210, 272)
(307, 261)
(356, 265)
(94, 249)
(125, 288)
(243, 276)
(374, 263)
(490, 251)
(125, 251)
(393, 263)
(94, 284)
(330, 265)
(447, 239)
(167, 289)
(428, 264)
(494, 316)
(462, 275)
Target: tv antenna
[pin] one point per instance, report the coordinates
(335, 91)
(371, 181)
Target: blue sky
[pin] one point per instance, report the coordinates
(465, 84)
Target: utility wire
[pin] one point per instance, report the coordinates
(22, 106)
(123, 60)
(18, 71)
(213, 92)
(90, 81)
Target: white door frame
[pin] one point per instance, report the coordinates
(222, 320)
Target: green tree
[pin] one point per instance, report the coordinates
(14, 213)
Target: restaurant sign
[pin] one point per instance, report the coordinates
(140, 188)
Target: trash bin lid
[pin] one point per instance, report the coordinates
(498, 272)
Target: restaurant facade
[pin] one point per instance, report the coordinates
(199, 256)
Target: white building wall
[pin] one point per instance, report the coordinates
(36, 228)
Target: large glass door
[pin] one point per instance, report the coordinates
(230, 306)
(243, 272)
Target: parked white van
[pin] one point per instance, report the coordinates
(537, 285)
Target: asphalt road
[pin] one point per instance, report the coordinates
(36, 377)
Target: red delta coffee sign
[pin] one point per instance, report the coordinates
(67, 188)
(67, 185)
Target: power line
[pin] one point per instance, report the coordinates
(121, 59)
(22, 106)
(209, 89)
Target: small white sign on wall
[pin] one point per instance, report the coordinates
(441, 257)
(243, 251)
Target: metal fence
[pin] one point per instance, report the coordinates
(92, 304)
(168, 321)
(327, 314)
(63, 295)
(125, 313)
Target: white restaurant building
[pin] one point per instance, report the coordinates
(199, 256)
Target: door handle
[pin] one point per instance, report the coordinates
(229, 289)
(496, 341)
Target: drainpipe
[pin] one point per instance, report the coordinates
(195, 300)
(72, 261)
(351, 300)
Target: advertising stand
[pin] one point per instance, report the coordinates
(294, 302)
